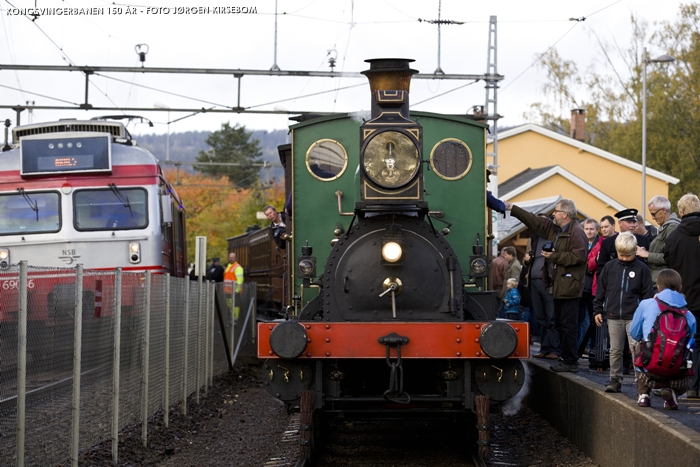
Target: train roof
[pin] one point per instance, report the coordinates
(359, 116)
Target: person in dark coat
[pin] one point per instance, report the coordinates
(682, 253)
(627, 218)
(566, 265)
(216, 271)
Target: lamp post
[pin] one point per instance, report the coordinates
(660, 59)
(167, 139)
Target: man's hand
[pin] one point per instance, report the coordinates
(599, 319)
(546, 254)
(642, 252)
(508, 205)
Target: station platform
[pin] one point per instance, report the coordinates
(609, 427)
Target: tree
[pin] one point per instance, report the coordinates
(232, 145)
(614, 109)
(218, 211)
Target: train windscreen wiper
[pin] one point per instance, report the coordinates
(121, 197)
(32, 204)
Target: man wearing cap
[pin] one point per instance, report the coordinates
(627, 218)
(565, 270)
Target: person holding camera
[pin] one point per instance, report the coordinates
(565, 261)
(279, 228)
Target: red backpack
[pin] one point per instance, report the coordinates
(665, 351)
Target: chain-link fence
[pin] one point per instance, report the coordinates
(85, 353)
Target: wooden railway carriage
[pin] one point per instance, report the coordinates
(392, 314)
(83, 192)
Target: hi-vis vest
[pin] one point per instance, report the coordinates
(230, 277)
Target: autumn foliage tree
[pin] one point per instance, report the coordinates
(218, 210)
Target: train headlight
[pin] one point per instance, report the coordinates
(4, 258)
(307, 267)
(479, 266)
(134, 253)
(391, 252)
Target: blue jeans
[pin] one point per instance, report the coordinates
(543, 308)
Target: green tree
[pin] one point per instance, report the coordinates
(232, 145)
(614, 105)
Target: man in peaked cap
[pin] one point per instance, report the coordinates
(627, 218)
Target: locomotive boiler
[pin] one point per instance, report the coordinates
(388, 316)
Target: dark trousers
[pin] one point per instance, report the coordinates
(543, 308)
(585, 310)
(695, 382)
(566, 322)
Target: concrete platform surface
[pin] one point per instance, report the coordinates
(609, 427)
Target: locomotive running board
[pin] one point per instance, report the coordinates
(426, 339)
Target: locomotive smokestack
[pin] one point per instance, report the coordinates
(389, 74)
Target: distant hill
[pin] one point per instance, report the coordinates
(185, 146)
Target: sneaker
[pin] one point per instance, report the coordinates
(613, 386)
(563, 367)
(691, 394)
(644, 400)
(669, 397)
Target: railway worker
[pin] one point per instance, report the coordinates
(669, 284)
(565, 264)
(660, 211)
(622, 284)
(279, 227)
(233, 274)
(682, 253)
(542, 301)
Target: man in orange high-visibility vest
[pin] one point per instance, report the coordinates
(233, 274)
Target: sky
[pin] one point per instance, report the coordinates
(308, 33)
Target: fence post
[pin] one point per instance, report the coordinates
(116, 361)
(197, 363)
(77, 351)
(166, 388)
(146, 358)
(233, 324)
(186, 350)
(254, 321)
(206, 338)
(211, 332)
(22, 362)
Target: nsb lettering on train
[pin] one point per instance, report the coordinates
(388, 316)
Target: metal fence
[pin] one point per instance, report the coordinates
(85, 353)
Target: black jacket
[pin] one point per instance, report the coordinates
(621, 286)
(682, 253)
(608, 251)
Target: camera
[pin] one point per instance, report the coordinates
(548, 246)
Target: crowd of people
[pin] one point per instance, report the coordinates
(577, 276)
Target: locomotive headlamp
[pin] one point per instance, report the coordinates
(392, 252)
(4, 258)
(478, 266)
(307, 264)
(391, 159)
(134, 253)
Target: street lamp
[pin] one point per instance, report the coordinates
(660, 59)
(167, 140)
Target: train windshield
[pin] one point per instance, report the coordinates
(111, 209)
(29, 213)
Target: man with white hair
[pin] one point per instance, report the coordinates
(660, 210)
(682, 253)
(565, 265)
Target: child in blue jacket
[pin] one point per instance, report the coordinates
(669, 284)
(511, 303)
